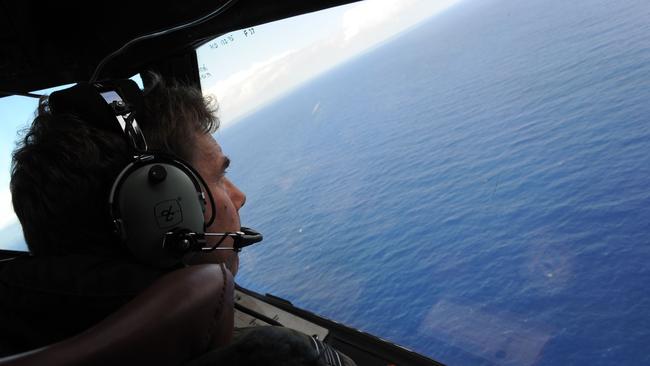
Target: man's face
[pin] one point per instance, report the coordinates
(211, 163)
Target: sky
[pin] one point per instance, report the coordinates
(247, 69)
(15, 114)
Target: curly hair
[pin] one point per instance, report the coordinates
(63, 167)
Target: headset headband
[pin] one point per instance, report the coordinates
(101, 104)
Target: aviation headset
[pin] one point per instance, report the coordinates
(156, 203)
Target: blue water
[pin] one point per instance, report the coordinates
(476, 189)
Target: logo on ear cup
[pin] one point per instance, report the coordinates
(168, 213)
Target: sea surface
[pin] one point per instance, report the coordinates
(476, 189)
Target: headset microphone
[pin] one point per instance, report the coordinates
(183, 241)
(156, 203)
(248, 237)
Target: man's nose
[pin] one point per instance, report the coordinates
(237, 197)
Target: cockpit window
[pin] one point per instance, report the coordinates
(467, 179)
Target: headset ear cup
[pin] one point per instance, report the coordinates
(150, 199)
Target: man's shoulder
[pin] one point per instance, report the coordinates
(45, 299)
(81, 275)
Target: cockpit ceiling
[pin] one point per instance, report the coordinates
(49, 43)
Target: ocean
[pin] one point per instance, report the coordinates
(475, 189)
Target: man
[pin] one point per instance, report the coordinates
(61, 176)
(79, 273)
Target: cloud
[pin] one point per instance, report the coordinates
(252, 86)
(265, 81)
(373, 21)
(368, 15)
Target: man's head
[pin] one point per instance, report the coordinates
(64, 167)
